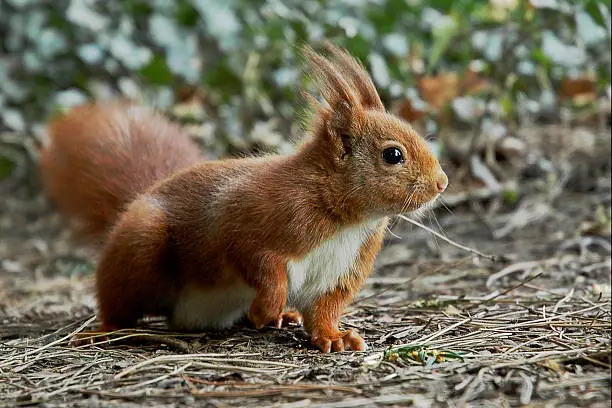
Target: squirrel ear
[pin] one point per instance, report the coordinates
(339, 125)
(347, 145)
(341, 115)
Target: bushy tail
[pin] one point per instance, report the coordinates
(101, 156)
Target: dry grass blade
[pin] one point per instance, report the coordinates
(405, 282)
(205, 358)
(273, 390)
(39, 350)
(244, 384)
(429, 338)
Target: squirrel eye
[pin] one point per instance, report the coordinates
(392, 155)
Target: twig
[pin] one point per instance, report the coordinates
(161, 377)
(450, 241)
(171, 342)
(275, 389)
(518, 285)
(195, 357)
(413, 278)
(515, 267)
(430, 337)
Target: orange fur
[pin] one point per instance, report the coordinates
(102, 156)
(240, 229)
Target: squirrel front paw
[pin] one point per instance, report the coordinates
(287, 318)
(339, 341)
(264, 311)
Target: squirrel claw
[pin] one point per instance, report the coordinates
(285, 319)
(260, 315)
(341, 341)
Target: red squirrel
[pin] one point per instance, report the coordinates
(206, 243)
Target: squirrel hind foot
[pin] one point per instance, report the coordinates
(340, 341)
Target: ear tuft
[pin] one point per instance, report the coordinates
(333, 86)
(355, 73)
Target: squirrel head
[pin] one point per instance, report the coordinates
(378, 160)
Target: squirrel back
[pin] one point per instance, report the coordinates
(100, 156)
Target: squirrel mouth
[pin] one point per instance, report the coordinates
(419, 209)
(430, 204)
(426, 204)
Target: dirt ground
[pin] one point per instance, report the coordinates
(444, 327)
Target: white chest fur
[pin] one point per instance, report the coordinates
(320, 270)
(308, 278)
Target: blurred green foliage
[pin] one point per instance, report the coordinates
(243, 55)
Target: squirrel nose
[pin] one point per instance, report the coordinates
(441, 181)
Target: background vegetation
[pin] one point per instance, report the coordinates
(233, 65)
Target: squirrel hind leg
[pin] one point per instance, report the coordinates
(130, 281)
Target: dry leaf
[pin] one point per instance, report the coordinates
(472, 83)
(580, 90)
(552, 365)
(451, 310)
(407, 111)
(439, 90)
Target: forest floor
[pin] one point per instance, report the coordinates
(444, 327)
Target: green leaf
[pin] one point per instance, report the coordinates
(599, 12)
(511, 197)
(137, 7)
(507, 103)
(222, 79)
(443, 5)
(186, 14)
(442, 40)
(7, 166)
(157, 72)
(360, 48)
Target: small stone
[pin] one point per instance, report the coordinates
(93, 401)
(13, 120)
(511, 146)
(11, 266)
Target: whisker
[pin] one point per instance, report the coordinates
(434, 237)
(393, 233)
(396, 220)
(392, 224)
(447, 208)
(409, 202)
(406, 202)
(440, 227)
